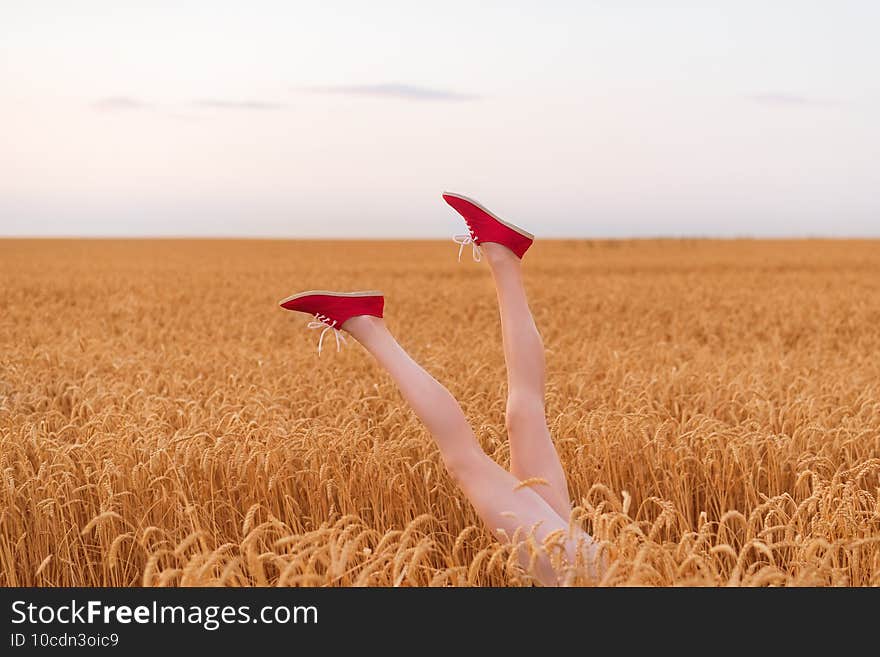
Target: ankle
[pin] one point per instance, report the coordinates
(495, 252)
(363, 325)
(498, 255)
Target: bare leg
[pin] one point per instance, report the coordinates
(489, 487)
(532, 453)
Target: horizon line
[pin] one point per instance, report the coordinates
(555, 238)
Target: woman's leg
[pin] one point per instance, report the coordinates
(532, 453)
(489, 487)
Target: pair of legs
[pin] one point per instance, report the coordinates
(494, 492)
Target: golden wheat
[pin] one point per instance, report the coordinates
(716, 406)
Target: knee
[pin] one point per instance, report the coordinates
(463, 463)
(524, 411)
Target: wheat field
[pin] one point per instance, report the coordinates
(716, 405)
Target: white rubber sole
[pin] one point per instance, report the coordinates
(517, 229)
(329, 293)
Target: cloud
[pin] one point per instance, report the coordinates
(789, 100)
(395, 90)
(215, 103)
(120, 104)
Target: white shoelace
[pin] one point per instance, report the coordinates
(324, 322)
(468, 238)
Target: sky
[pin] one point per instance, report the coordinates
(332, 118)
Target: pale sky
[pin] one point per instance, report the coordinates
(349, 118)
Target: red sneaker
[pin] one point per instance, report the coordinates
(333, 309)
(483, 226)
